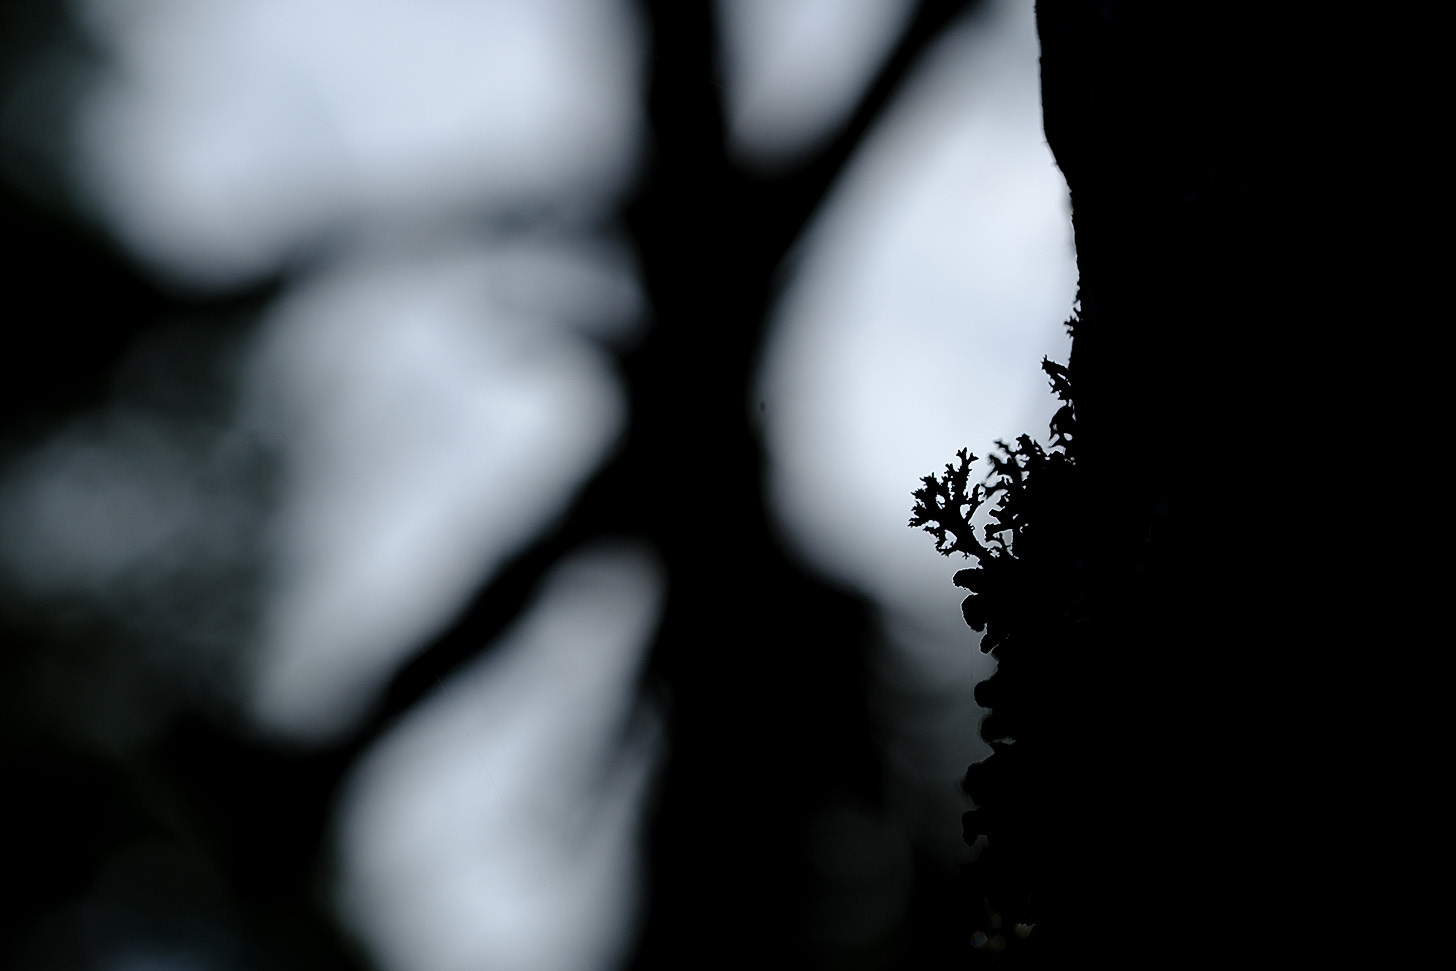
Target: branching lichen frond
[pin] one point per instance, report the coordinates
(939, 505)
(1064, 422)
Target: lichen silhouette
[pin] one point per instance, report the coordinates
(1030, 592)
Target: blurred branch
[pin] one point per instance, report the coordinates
(501, 601)
(688, 132)
(690, 172)
(789, 201)
(708, 238)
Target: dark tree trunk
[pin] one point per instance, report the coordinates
(1186, 786)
